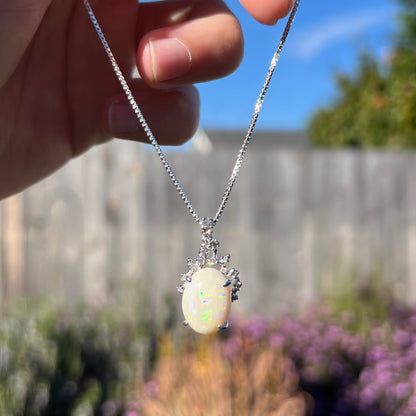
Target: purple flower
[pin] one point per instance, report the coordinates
(402, 338)
(257, 327)
(368, 395)
(405, 411)
(376, 354)
(401, 390)
(411, 404)
(333, 334)
(276, 340)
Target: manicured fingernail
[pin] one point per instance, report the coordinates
(170, 58)
(121, 119)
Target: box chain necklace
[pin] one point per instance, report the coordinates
(208, 287)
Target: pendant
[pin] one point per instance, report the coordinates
(209, 287)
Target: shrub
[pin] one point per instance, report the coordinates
(261, 367)
(78, 363)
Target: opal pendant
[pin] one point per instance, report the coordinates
(206, 302)
(209, 287)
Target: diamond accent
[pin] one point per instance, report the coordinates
(208, 257)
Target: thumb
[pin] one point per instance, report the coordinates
(19, 20)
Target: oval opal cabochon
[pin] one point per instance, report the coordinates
(206, 303)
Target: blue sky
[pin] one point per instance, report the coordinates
(327, 36)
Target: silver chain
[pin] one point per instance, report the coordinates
(152, 139)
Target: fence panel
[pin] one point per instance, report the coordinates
(297, 221)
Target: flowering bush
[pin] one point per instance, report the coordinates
(260, 367)
(328, 361)
(387, 383)
(348, 373)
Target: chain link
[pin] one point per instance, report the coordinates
(151, 137)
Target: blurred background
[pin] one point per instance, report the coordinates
(321, 225)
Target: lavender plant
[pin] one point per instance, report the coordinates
(349, 366)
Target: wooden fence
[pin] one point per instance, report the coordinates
(297, 222)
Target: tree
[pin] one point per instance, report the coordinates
(376, 106)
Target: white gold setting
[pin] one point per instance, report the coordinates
(208, 257)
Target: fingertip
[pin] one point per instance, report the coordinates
(268, 12)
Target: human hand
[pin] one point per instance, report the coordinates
(59, 96)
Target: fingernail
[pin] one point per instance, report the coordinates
(121, 119)
(180, 15)
(170, 58)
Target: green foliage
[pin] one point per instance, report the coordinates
(376, 106)
(79, 363)
(359, 302)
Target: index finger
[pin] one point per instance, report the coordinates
(267, 12)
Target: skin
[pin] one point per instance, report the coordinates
(59, 95)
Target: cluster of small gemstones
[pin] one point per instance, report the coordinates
(237, 284)
(208, 257)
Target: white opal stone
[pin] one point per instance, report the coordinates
(206, 303)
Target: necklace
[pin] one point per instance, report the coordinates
(209, 286)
